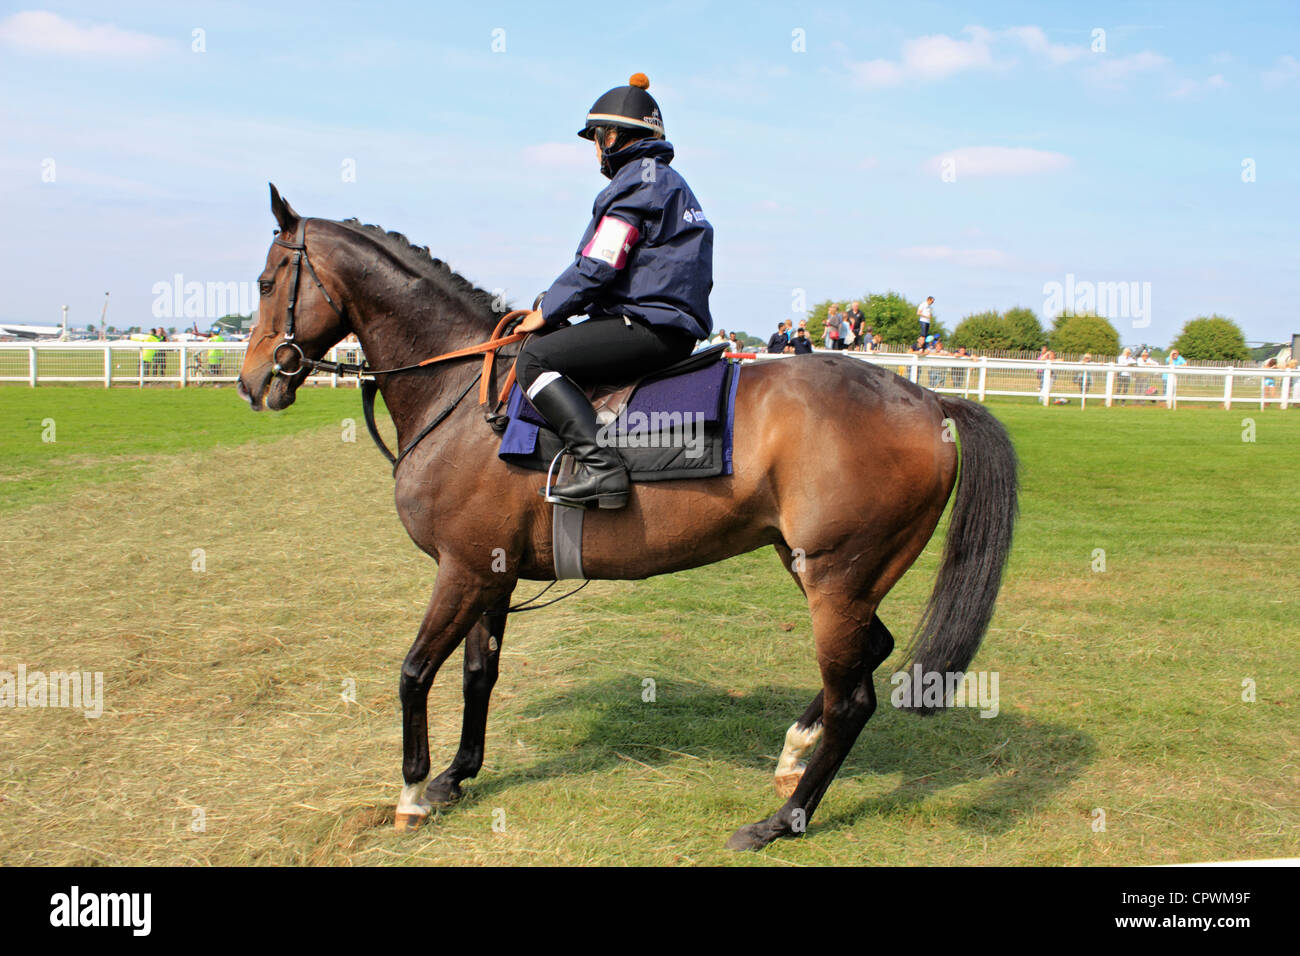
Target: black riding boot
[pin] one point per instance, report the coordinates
(601, 475)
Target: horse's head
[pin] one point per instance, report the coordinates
(298, 317)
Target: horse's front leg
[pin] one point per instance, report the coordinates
(458, 601)
(482, 659)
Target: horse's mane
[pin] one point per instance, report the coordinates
(423, 263)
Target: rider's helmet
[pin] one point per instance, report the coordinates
(628, 110)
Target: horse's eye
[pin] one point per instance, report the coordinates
(266, 285)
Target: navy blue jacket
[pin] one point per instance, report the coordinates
(661, 268)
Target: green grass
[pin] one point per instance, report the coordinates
(106, 435)
(1120, 689)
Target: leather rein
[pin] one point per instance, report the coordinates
(501, 337)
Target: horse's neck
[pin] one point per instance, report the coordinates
(399, 327)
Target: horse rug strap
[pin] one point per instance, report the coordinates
(566, 531)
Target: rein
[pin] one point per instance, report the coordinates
(501, 337)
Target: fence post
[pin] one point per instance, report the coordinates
(31, 365)
(914, 373)
(1227, 389)
(1046, 396)
(984, 371)
(334, 357)
(185, 355)
(1286, 387)
(108, 366)
(1110, 387)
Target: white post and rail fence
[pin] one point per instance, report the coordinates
(188, 364)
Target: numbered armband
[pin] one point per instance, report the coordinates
(612, 241)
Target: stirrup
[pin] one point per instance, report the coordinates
(546, 492)
(610, 501)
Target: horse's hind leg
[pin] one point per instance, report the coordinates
(482, 657)
(847, 652)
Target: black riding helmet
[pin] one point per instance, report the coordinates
(629, 110)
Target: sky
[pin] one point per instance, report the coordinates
(991, 155)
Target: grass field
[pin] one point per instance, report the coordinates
(225, 737)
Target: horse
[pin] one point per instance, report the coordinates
(803, 424)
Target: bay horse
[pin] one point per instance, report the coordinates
(888, 448)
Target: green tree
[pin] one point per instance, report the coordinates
(1211, 337)
(983, 330)
(1024, 330)
(1083, 333)
(894, 319)
(889, 314)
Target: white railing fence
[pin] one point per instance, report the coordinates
(1086, 382)
(138, 363)
(185, 364)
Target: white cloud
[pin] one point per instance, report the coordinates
(1035, 40)
(877, 73)
(937, 56)
(1286, 70)
(1190, 88)
(998, 161)
(1113, 71)
(46, 32)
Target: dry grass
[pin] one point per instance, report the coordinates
(223, 690)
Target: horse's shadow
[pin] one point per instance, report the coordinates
(1019, 761)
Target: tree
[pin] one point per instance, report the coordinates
(983, 330)
(817, 320)
(1210, 338)
(1083, 333)
(1024, 330)
(894, 319)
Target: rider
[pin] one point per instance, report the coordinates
(642, 274)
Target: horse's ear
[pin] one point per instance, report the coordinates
(283, 212)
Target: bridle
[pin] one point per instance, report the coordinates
(299, 247)
(501, 336)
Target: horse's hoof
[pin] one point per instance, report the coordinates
(406, 822)
(786, 783)
(749, 837)
(443, 795)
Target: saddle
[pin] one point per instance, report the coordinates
(610, 400)
(672, 423)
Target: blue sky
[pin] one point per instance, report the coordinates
(816, 137)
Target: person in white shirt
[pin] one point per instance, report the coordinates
(1144, 381)
(720, 338)
(923, 313)
(1125, 362)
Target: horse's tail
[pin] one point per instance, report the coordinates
(979, 540)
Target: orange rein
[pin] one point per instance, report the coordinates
(489, 350)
